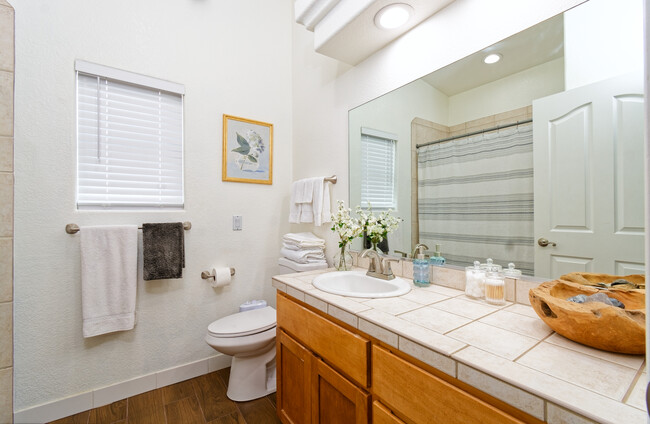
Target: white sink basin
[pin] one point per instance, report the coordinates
(358, 284)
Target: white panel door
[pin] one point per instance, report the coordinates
(589, 179)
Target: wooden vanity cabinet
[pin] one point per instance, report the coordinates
(324, 376)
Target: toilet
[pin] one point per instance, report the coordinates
(249, 337)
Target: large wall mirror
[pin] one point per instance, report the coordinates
(536, 159)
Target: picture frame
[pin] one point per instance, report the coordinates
(247, 151)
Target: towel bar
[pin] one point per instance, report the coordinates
(207, 274)
(74, 228)
(331, 179)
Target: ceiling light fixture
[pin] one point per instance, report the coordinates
(393, 16)
(492, 58)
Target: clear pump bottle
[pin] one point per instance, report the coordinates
(420, 266)
(437, 258)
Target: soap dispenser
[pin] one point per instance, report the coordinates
(437, 258)
(420, 266)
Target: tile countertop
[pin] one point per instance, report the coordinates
(505, 351)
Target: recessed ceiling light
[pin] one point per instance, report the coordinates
(393, 16)
(492, 58)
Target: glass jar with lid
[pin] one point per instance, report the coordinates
(475, 281)
(495, 288)
(511, 272)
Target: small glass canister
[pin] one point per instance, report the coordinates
(475, 281)
(511, 272)
(495, 288)
(489, 265)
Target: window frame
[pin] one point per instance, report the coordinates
(378, 135)
(139, 81)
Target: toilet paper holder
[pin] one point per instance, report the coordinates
(206, 275)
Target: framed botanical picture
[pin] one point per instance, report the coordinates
(247, 151)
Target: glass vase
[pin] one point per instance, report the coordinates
(343, 259)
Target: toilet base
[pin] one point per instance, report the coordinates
(252, 377)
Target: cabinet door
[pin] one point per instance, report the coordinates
(346, 351)
(335, 399)
(294, 364)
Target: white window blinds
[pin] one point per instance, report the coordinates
(129, 140)
(378, 169)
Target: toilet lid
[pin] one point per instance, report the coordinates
(244, 323)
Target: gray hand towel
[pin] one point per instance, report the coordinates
(163, 250)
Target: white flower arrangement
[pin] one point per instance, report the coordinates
(345, 225)
(377, 227)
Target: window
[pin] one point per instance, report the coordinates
(129, 139)
(378, 169)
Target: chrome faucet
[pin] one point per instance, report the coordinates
(379, 267)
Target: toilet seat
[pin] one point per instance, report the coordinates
(244, 323)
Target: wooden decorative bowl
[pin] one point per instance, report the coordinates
(594, 324)
(593, 279)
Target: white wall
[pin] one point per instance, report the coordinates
(593, 54)
(393, 113)
(234, 58)
(328, 89)
(509, 93)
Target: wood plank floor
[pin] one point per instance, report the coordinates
(201, 400)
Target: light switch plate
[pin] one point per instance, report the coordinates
(236, 223)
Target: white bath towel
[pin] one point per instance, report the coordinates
(321, 202)
(310, 201)
(302, 192)
(303, 256)
(300, 240)
(109, 272)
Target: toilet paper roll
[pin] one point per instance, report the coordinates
(221, 276)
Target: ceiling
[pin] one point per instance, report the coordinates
(546, 37)
(345, 29)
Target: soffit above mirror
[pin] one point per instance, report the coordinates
(345, 29)
(539, 44)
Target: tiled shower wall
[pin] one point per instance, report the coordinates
(6, 209)
(423, 131)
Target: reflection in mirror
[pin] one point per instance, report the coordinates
(491, 160)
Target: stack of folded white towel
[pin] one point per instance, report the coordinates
(303, 248)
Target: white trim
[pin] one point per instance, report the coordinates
(105, 395)
(126, 76)
(377, 133)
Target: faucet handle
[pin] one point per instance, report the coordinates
(404, 254)
(386, 266)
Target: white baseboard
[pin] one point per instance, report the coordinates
(103, 396)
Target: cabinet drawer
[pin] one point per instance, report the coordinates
(381, 415)
(424, 398)
(341, 348)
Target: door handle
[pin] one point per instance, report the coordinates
(543, 242)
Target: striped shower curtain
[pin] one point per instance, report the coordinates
(475, 198)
